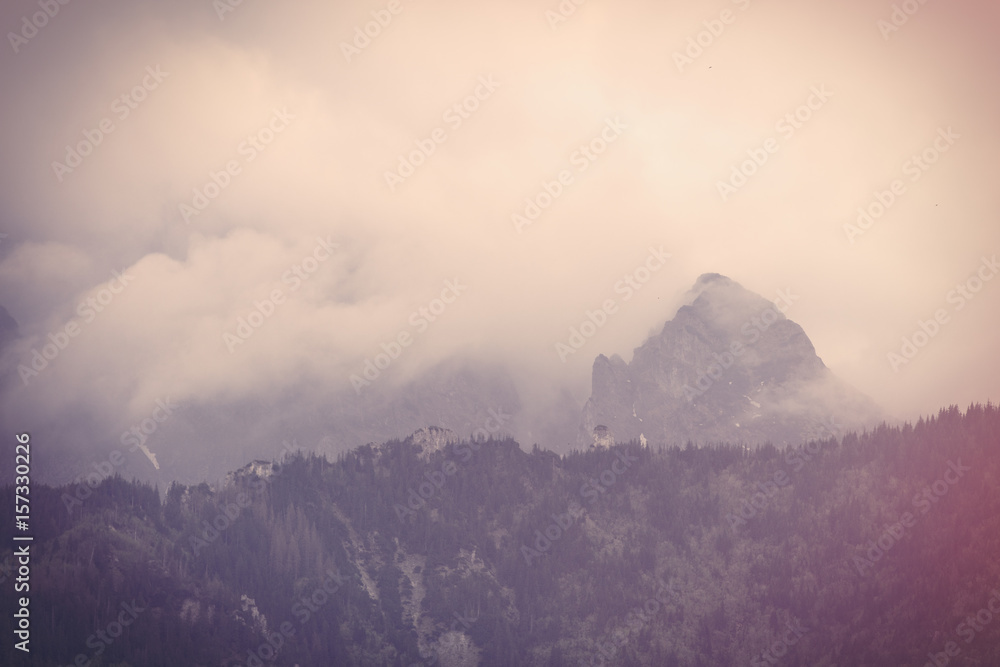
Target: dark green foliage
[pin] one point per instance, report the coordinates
(335, 551)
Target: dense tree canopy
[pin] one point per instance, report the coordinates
(872, 549)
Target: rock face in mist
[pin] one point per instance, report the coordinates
(602, 437)
(432, 439)
(457, 397)
(453, 396)
(730, 367)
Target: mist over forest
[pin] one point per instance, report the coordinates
(537, 333)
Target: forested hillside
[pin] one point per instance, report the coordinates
(873, 549)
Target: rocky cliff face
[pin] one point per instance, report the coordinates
(729, 367)
(432, 439)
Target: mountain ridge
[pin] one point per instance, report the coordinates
(641, 556)
(679, 385)
(728, 367)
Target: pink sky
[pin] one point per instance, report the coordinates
(551, 92)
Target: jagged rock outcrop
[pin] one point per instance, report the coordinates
(254, 470)
(603, 437)
(728, 367)
(432, 439)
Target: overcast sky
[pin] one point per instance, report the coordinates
(332, 112)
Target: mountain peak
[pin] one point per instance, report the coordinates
(730, 366)
(713, 278)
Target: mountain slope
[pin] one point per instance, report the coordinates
(874, 550)
(729, 367)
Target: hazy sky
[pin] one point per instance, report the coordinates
(308, 129)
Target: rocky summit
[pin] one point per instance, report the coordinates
(729, 367)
